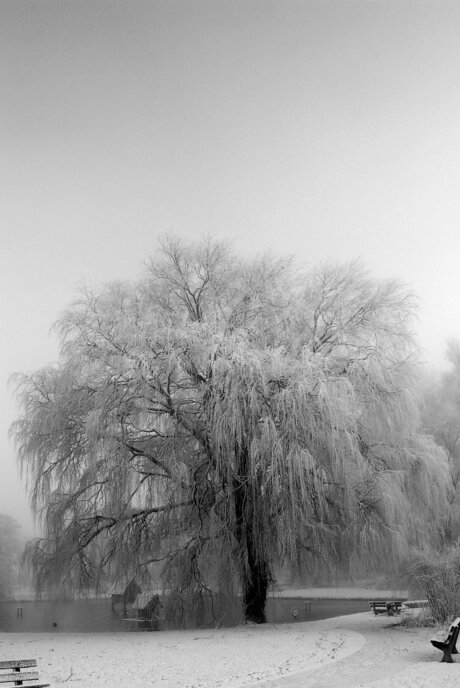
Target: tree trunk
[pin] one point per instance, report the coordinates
(253, 564)
(255, 585)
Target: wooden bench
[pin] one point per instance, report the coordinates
(390, 607)
(448, 645)
(138, 623)
(10, 672)
(143, 623)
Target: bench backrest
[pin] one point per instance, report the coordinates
(10, 671)
(454, 629)
(453, 626)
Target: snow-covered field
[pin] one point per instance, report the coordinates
(344, 652)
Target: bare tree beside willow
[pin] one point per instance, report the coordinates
(441, 418)
(221, 415)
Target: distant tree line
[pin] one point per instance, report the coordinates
(10, 548)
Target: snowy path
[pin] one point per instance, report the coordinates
(391, 656)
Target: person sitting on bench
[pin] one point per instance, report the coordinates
(152, 611)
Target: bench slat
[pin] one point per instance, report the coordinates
(13, 663)
(19, 676)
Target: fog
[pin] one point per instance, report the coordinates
(327, 130)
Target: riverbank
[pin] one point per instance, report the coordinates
(343, 593)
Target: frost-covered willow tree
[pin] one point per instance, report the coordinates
(222, 415)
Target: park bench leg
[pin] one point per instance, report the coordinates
(451, 649)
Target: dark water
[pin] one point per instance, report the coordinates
(279, 610)
(96, 615)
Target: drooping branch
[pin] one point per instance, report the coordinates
(102, 523)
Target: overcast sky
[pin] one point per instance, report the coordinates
(327, 129)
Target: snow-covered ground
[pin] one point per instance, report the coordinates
(344, 652)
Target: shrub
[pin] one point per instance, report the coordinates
(418, 617)
(438, 575)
